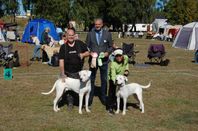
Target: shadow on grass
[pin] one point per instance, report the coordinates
(133, 105)
(97, 93)
(64, 99)
(163, 63)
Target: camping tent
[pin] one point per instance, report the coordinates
(187, 37)
(2, 39)
(157, 24)
(36, 27)
(172, 29)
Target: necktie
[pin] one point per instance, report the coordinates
(99, 36)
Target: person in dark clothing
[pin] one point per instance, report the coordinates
(71, 59)
(45, 39)
(99, 41)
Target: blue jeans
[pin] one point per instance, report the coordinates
(103, 78)
(36, 52)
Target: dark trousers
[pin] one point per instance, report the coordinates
(103, 78)
(111, 95)
(71, 96)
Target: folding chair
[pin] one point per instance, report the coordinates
(128, 49)
(156, 53)
(7, 56)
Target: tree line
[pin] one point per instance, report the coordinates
(113, 12)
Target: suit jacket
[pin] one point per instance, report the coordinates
(105, 44)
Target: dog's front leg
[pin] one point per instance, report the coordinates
(118, 105)
(80, 102)
(87, 101)
(124, 107)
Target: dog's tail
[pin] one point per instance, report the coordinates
(47, 93)
(147, 86)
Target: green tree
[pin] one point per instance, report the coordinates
(10, 8)
(181, 11)
(85, 11)
(55, 10)
(130, 11)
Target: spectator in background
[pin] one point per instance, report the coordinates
(71, 26)
(59, 31)
(45, 39)
(37, 47)
(63, 40)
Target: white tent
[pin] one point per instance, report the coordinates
(2, 39)
(158, 23)
(187, 37)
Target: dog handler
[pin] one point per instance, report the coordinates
(119, 66)
(71, 60)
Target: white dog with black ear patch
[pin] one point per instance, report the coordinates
(124, 91)
(81, 86)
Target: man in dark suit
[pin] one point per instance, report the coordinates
(99, 41)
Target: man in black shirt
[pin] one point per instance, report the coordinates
(71, 59)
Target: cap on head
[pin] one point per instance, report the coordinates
(118, 52)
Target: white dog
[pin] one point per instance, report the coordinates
(81, 86)
(124, 91)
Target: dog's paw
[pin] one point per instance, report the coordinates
(87, 110)
(117, 112)
(55, 110)
(80, 112)
(123, 113)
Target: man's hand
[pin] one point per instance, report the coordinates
(94, 54)
(62, 76)
(81, 56)
(106, 54)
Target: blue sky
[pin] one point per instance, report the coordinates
(160, 4)
(21, 9)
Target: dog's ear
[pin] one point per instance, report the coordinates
(43, 47)
(126, 79)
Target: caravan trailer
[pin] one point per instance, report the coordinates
(139, 27)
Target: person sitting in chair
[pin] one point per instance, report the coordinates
(36, 52)
(45, 39)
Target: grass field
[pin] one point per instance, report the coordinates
(171, 103)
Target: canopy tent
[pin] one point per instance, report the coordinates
(187, 37)
(36, 27)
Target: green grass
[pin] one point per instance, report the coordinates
(170, 103)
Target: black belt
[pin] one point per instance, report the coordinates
(73, 75)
